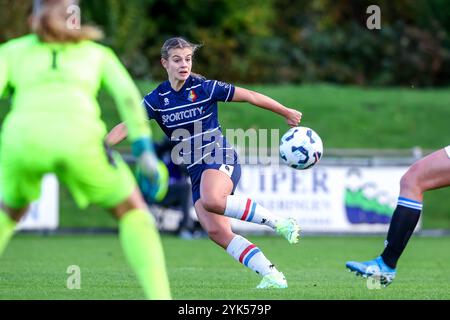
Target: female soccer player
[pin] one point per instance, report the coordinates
(55, 126)
(431, 172)
(185, 108)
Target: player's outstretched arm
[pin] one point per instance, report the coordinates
(120, 85)
(127, 97)
(117, 134)
(292, 116)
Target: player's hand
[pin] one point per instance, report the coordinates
(293, 117)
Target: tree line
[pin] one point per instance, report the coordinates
(274, 41)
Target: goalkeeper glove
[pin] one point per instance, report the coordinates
(146, 159)
(151, 173)
(154, 192)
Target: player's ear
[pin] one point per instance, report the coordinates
(164, 63)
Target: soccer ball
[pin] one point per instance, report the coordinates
(301, 148)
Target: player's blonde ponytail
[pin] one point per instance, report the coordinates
(51, 22)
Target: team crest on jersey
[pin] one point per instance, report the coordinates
(192, 96)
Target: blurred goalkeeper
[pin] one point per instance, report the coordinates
(55, 126)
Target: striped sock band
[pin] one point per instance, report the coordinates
(246, 209)
(408, 203)
(249, 211)
(249, 255)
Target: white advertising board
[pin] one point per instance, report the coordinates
(43, 213)
(324, 198)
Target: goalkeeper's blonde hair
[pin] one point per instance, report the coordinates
(50, 22)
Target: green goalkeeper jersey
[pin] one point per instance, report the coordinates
(57, 83)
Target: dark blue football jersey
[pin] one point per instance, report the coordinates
(190, 114)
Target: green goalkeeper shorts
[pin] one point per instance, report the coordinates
(93, 174)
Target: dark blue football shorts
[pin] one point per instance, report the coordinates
(229, 165)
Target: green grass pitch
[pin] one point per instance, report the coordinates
(35, 267)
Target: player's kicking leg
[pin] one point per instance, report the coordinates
(219, 230)
(243, 208)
